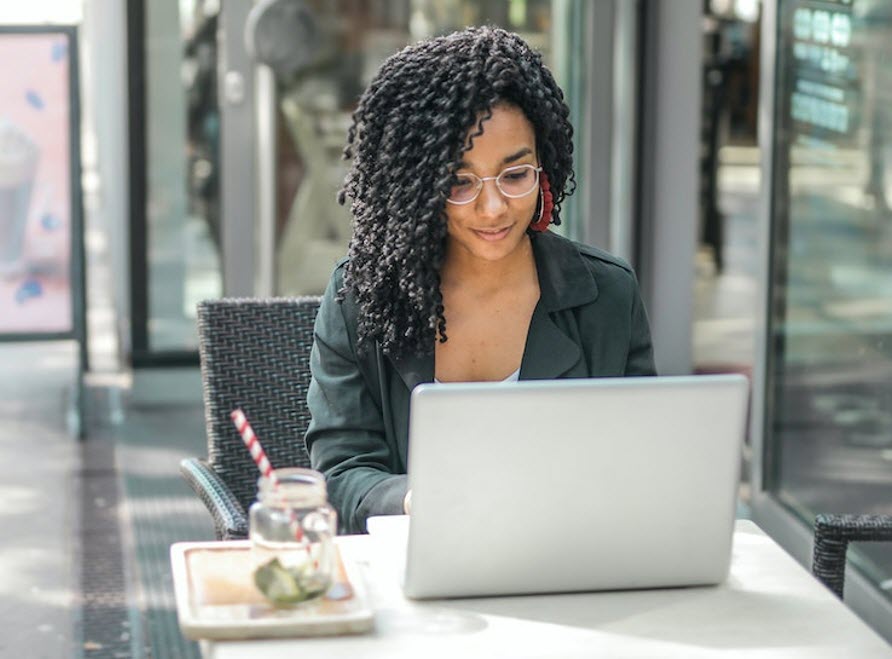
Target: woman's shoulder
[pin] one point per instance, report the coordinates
(598, 261)
(335, 299)
(336, 322)
(337, 275)
(600, 256)
(335, 291)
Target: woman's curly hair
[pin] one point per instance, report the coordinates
(407, 137)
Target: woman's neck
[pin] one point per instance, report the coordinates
(461, 268)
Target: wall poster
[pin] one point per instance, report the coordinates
(41, 241)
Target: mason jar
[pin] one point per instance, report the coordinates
(292, 530)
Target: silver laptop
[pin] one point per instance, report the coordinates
(573, 485)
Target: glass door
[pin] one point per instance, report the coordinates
(175, 199)
(828, 380)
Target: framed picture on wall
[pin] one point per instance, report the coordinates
(41, 237)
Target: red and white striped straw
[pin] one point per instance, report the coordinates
(263, 464)
(253, 444)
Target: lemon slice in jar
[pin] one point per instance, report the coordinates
(278, 584)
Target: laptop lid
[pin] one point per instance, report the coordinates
(572, 485)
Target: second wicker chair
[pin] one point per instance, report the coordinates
(254, 356)
(833, 533)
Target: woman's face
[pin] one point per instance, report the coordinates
(493, 226)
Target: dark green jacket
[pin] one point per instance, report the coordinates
(589, 322)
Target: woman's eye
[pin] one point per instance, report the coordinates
(516, 176)
(462, 184)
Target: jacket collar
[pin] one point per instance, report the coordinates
(564, 279)
(564, 282)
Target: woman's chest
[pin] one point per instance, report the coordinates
(486, 340)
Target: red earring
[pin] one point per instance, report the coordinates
(546, 204)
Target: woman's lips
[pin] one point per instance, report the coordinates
(492, 235)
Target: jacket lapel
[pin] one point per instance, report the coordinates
(564, 283)
(549, 353)
(414, 369)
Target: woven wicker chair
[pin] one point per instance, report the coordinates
(833, 533)
(255, 355)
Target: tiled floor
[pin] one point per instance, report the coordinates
(39, 501)
(88, 524)
(162, 510)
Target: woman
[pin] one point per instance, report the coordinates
(461, 156)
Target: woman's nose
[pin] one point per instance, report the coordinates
(491, 202)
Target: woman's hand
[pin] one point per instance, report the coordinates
(407, 503)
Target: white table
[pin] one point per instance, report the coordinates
(769, 607)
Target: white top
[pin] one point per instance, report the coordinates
(769, 607)
(514, 377)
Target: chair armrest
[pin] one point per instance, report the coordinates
(833, 533)
(230, 521)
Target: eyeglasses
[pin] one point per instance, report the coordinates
(513, 182)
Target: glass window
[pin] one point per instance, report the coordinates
(725, 283)
(182, 123)
(829, 382)
(314, 108)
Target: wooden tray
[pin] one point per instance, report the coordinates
(216, 597)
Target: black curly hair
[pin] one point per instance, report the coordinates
(407, 137)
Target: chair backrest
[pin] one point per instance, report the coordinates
(255, 355)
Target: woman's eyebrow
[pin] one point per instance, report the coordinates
(516, 156)
(462, 164)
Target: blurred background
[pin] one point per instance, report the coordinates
(737, 152)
